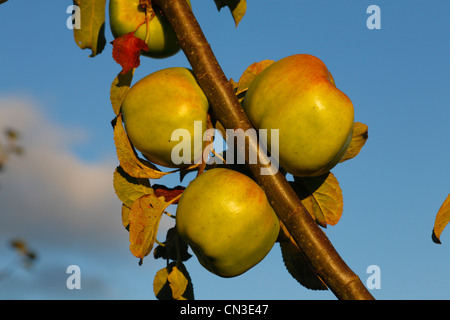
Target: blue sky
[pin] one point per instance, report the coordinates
(59, 195)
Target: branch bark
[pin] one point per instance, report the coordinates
(325, 260)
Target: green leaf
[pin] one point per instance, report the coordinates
(237, 8)
(441, 221)
(91, 34)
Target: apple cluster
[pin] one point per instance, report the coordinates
(223, 215)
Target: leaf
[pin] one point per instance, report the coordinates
(441, 221)
(170, 250)
(161, 287)
(145, 214)
(127, 50)
(178, 282)
(119, 89)
(128, 158)
(322, 197)
(237, 8)
(297, 264)
(28, 255)
(19, 245)
(359, 138)
(169, 284)
(128, 188)
(168, 193)
(126, 217)
(250, 74)
(91, 34)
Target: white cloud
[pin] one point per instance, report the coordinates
(62, 206)
(49, 183)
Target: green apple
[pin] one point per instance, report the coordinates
(226, 219)
(126, 15)
(158, 105)
(297, 95)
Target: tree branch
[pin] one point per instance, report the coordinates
(327, 263)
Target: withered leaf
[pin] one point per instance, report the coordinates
(297, 264)
(128, 158)
(168, 193)
(441, 221)
(322, 197)
(359, 138)
(144, 216)
(127, 51)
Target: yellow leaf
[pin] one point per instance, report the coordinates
(297, 264)
(144, 216)
(119, 89)
(234, 84)
(161, 287)
(126, 216)
(91, 34)
(19, 245)
(250, 74)
(442, 219)
(237, 8)
(238, 11)
(322, 197)
(128, 188)
(359, 138)
(178, 282)
(173, 282)
(128, 158)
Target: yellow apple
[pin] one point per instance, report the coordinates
(160, 104)
(126, 15)
(226, 219)
(297, 95)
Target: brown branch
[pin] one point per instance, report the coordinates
(327, 263)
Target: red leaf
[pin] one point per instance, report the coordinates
(168, 193)
(126, 51)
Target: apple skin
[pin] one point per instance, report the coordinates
(298, 96)
(226, 219)
(125, 16)
(160, 103)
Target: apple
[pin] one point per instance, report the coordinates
(156, 106)
(226, 219)
(298, 96)
(126, 15)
